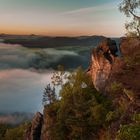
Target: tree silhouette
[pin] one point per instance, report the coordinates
(49, 95)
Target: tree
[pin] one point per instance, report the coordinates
(15, 132)
(49, 95)
(59, 76)
(131, 8)
(3, 129)
(133, 28)
(80, 112)
(82, 108)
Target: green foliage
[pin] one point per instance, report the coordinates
(136, 117)
(131, 9)
(80, 112)
(110, 116)
(3, 129)
(8, 132)
(114, 115)
(130, 94)
(127, 59)
(49, 95)
(129, 132)
(133, 28)
(115, 86)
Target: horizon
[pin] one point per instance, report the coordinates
(62, 18)
(46, 35)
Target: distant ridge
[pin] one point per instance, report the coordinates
(37, 41)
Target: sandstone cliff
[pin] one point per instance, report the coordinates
(119, 79)
(106, 67)
(103, 58)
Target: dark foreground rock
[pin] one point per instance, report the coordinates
(33, 132)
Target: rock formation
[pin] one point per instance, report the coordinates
(33, 132)
(102, 59)
(107, 69)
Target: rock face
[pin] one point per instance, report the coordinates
(102, 59)
(33, 132)
(118, 77)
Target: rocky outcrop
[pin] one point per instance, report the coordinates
(118, 77)
(102, 59)
(105, 67)
(33, 131)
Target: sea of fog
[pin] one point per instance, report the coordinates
(21, 90)
(25, 72)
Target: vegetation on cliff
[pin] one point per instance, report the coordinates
(80, 113)
(11, 132)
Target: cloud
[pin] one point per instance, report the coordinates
(12, 56)
(16, 56)
(92, 9)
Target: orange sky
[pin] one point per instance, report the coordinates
(71, 19)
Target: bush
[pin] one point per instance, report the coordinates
(15, 132)
(136, 117)
(115, 86)
(129, 132)
(130, 94)
(3, 129)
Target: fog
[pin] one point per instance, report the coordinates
(15, 118)
(25, 72)
(16, 56)
(22, 90)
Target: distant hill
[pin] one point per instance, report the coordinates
(15, 118)
(35, 41)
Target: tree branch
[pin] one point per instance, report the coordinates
(135, 16)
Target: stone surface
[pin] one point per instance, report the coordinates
(33, 132)
(102, 59)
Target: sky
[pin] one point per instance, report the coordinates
(62, 17)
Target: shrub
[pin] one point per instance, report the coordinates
(115, 86)
(114, 115)
(15, 133)
(129, 132)
(130, 94)
(136, 117)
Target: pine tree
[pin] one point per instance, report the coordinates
(49, 95)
